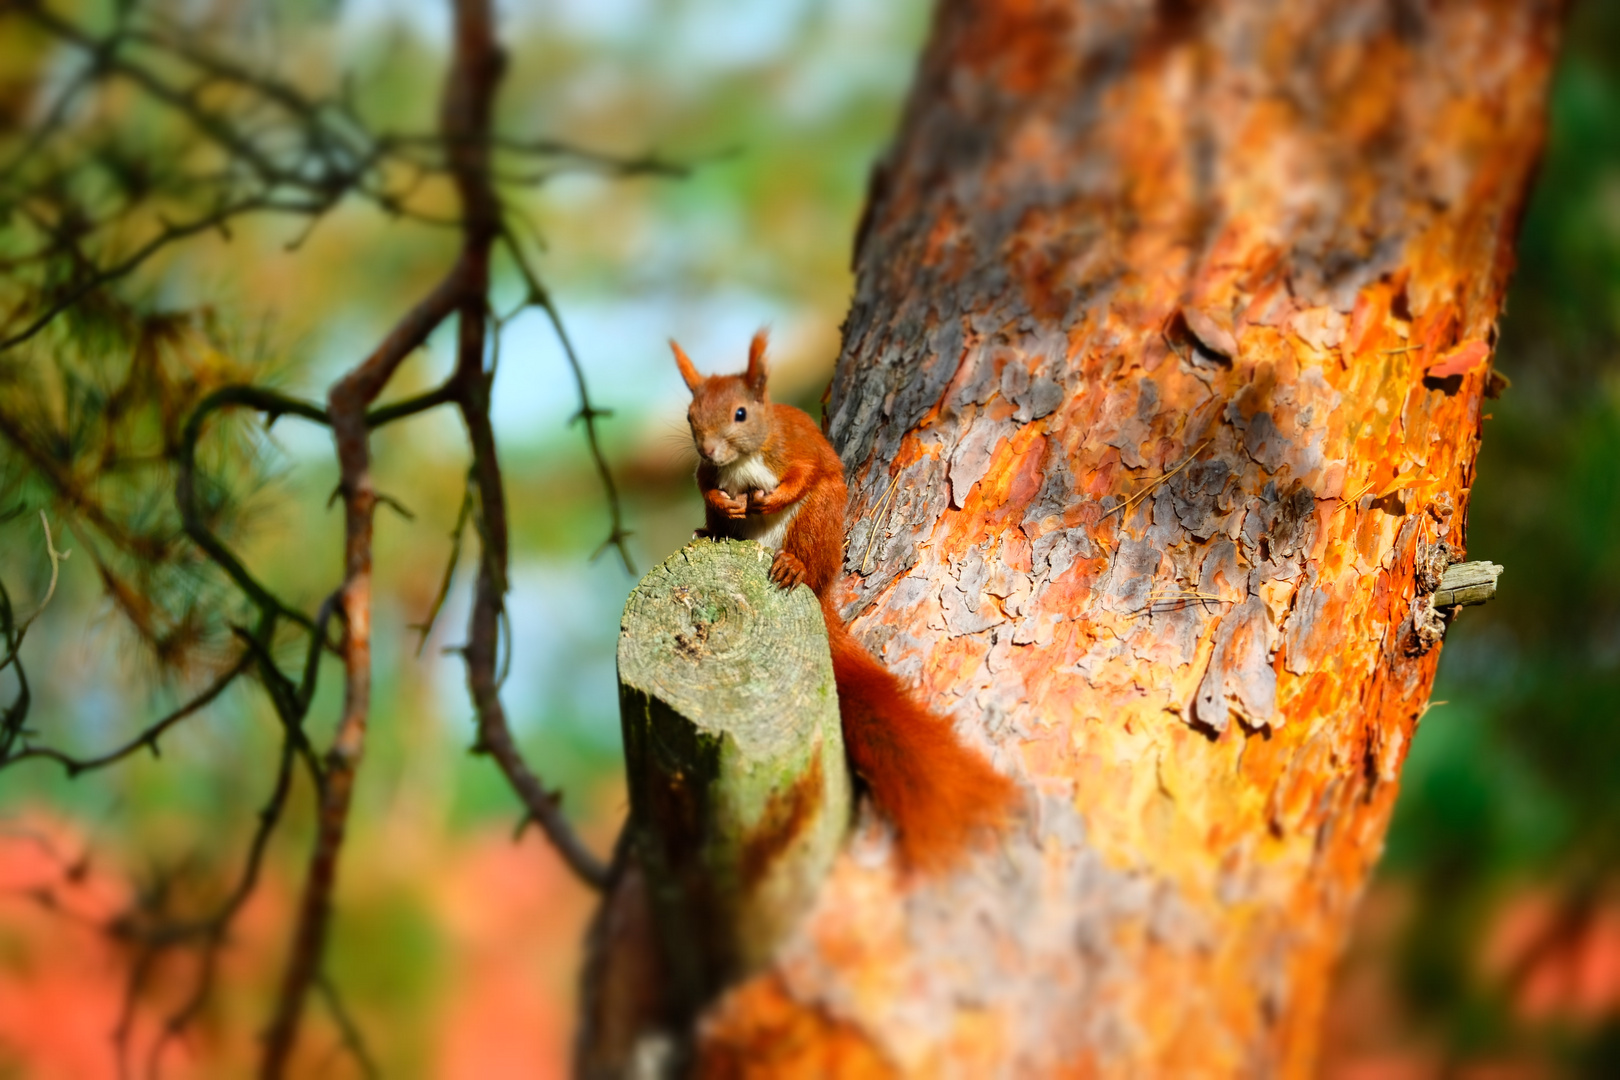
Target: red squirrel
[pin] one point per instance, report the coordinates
(767, 473)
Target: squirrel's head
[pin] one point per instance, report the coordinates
(730, 414)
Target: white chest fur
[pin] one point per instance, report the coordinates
(752, 474)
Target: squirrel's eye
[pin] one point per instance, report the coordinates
(742, 414)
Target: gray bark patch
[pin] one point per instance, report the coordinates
(1130, 576)
(1301, 651)
(1057, 492)
(1171, 634)
(1263, 442)
(1165, 531)
(1240, 678)
(962, 618)
(1197, 492)
(1221, 575)
(1130, 428)
(963, 602)
(971, 459)
(1056, 551)
(971, 577)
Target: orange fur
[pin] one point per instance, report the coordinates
(937, 792)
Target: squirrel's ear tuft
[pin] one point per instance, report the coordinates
(755, 375)
(688, 372)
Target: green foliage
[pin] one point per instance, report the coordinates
(91, 428)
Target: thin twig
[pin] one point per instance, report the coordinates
(148, 737)
(214, 930)
(541, 298)
(16, 635)
(400, 410)
(154, 937)
(489, 590)
(16, 712)
(352, 1040)
(876, 522)
(425, 627)
(185, 491)
(494, 733)
(1157, 480)
(1352, 500)
(1171, 597)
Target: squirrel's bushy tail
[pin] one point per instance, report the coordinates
(936, 791)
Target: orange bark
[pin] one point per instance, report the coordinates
(1147, 295)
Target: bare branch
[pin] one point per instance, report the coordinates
(347, 407)
(466, 129)
(353, 1041)
(147, 739)
(494, 733)
(16, 713)
(214, 930)
(425, 627)
(618, 535)
(185, 491)
(401, 410)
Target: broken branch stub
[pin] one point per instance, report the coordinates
(739, 792)
(1467, 583)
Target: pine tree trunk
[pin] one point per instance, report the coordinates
(1160, 398)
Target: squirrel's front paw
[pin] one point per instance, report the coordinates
(702, 534)
(786, 570)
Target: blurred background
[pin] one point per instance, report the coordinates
(1489, 944)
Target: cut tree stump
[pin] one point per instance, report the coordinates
(739, 792)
